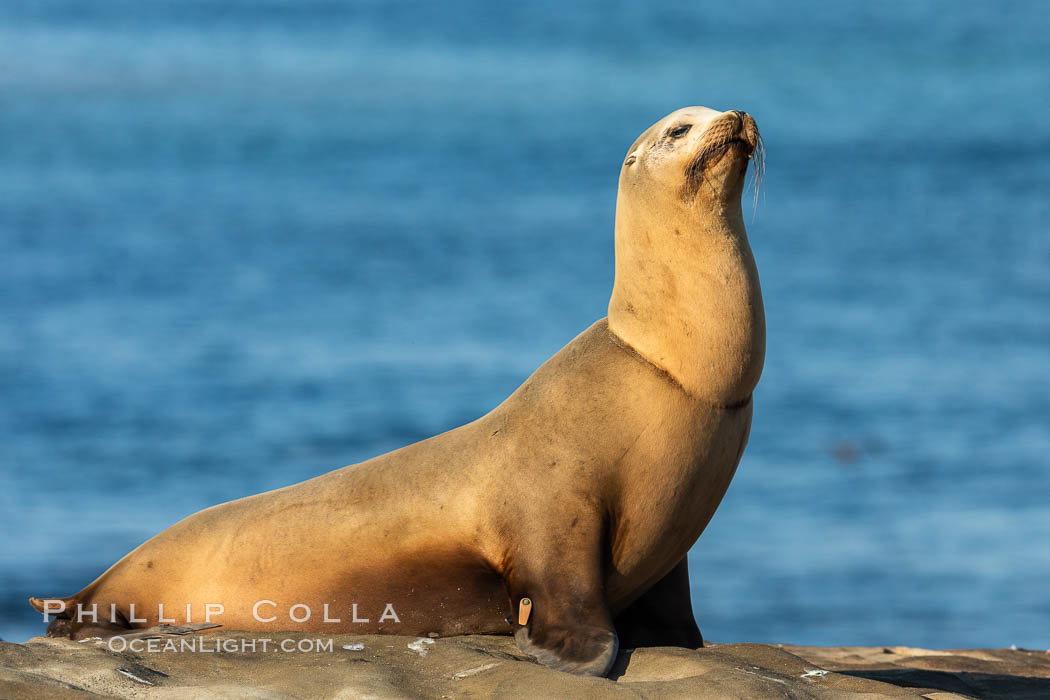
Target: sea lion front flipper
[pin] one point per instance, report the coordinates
(569, 643)
(663, 615)
(569, 626)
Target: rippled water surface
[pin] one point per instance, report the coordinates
(243, 246)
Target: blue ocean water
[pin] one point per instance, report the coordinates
(249, 242)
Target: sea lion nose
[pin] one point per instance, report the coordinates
(746, 129)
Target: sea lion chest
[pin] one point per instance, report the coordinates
(599, 430)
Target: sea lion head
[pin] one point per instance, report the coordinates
(686, 294)
(693, 158)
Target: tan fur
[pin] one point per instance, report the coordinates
(582, 491)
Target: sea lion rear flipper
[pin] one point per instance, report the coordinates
(662, 616)
(59, 607)
(62, 609)
(67, 624)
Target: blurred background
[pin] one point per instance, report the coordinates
(244, 243)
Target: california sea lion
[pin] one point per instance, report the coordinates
(582, 492)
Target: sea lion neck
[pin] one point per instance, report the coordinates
(686, 294)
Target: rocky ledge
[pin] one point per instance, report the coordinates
(163, 664)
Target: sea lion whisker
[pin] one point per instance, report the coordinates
(758, 157)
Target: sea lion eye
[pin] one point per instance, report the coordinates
(679, 131)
